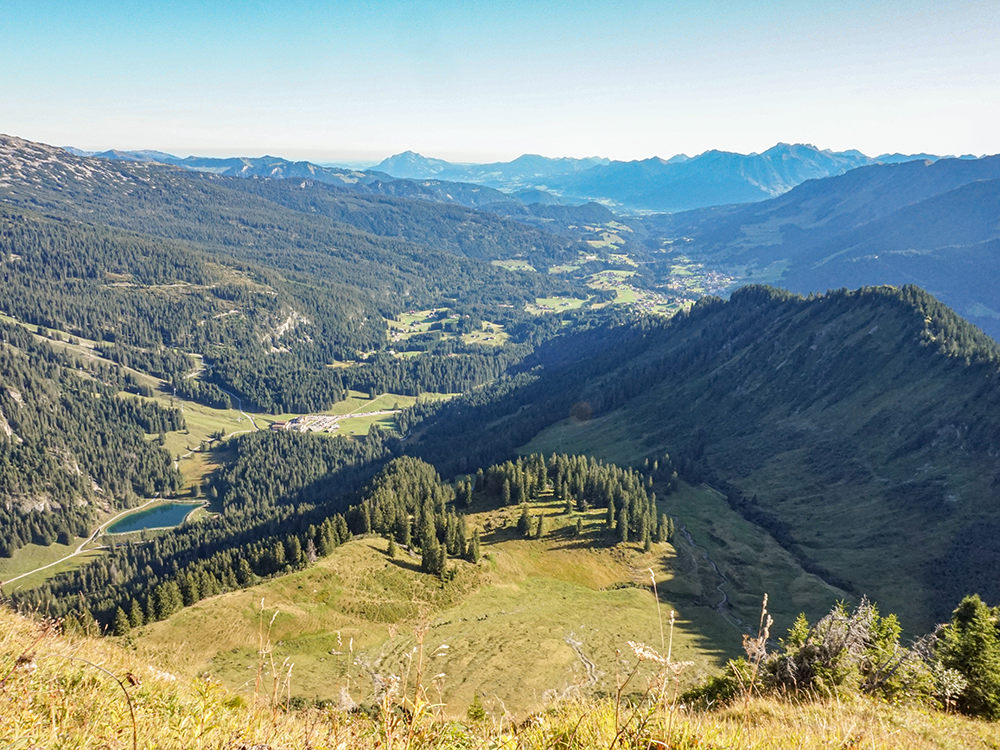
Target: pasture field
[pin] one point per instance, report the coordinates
(338, 365)
(607, 236)
(514, 264)
(37, 579)
(492, 334)
(413, 323)
(606, 241)
(555, 304)
(536, 619)
(618, 226)
(33, 556)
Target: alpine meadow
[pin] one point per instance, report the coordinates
(398, 439)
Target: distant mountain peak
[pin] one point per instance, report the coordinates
(411, 165)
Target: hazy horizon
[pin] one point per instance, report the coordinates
(342, 82)
(364, 163)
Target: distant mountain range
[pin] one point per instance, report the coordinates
(679, 183)
(934, 224)
(525, 171)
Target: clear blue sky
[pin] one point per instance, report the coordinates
(481, 81)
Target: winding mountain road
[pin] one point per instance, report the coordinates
(83, 544)
(239, 406)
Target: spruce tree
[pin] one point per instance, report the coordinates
(121, 625)
(971, 645)
(460, 536)
(441, 566)
(524, 522)
(473, 553)
(430, 555)
(135, 617)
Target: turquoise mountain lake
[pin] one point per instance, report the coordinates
(160, 517)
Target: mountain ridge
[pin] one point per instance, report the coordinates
(677, 183)
(842, 424)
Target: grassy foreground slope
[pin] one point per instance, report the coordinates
(87, 693)
(534, 621)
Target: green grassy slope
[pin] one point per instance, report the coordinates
(535, 619)
(858, 430)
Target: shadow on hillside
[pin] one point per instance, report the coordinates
(411, 564)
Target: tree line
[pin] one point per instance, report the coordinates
(290, 499)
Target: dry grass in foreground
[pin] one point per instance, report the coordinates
(69, 691)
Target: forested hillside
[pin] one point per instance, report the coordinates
(70, 444)
(857, 428)
(271, 281)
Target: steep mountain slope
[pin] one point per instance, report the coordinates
(930, 224)
(948, 244)
(859, 429)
